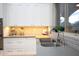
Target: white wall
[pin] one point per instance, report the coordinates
(29, 14)
(1, 10)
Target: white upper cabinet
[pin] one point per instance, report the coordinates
(29, 14)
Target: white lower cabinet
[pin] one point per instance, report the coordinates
(23, 45)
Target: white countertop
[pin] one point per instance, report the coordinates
(73, 35)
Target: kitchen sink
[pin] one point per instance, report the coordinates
(49, 43)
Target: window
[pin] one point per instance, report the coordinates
(62, 21)
(74, 21)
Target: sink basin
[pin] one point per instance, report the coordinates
(48, 43)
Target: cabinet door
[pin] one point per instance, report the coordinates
(29, 15)
(20, 44)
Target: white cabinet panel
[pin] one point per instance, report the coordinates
(20, 44)
(29, 14)
(1, 10)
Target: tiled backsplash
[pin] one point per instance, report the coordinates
(26, 30)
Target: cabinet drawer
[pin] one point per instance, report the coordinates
(20, 44)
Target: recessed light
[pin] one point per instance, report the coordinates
(77, 5)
